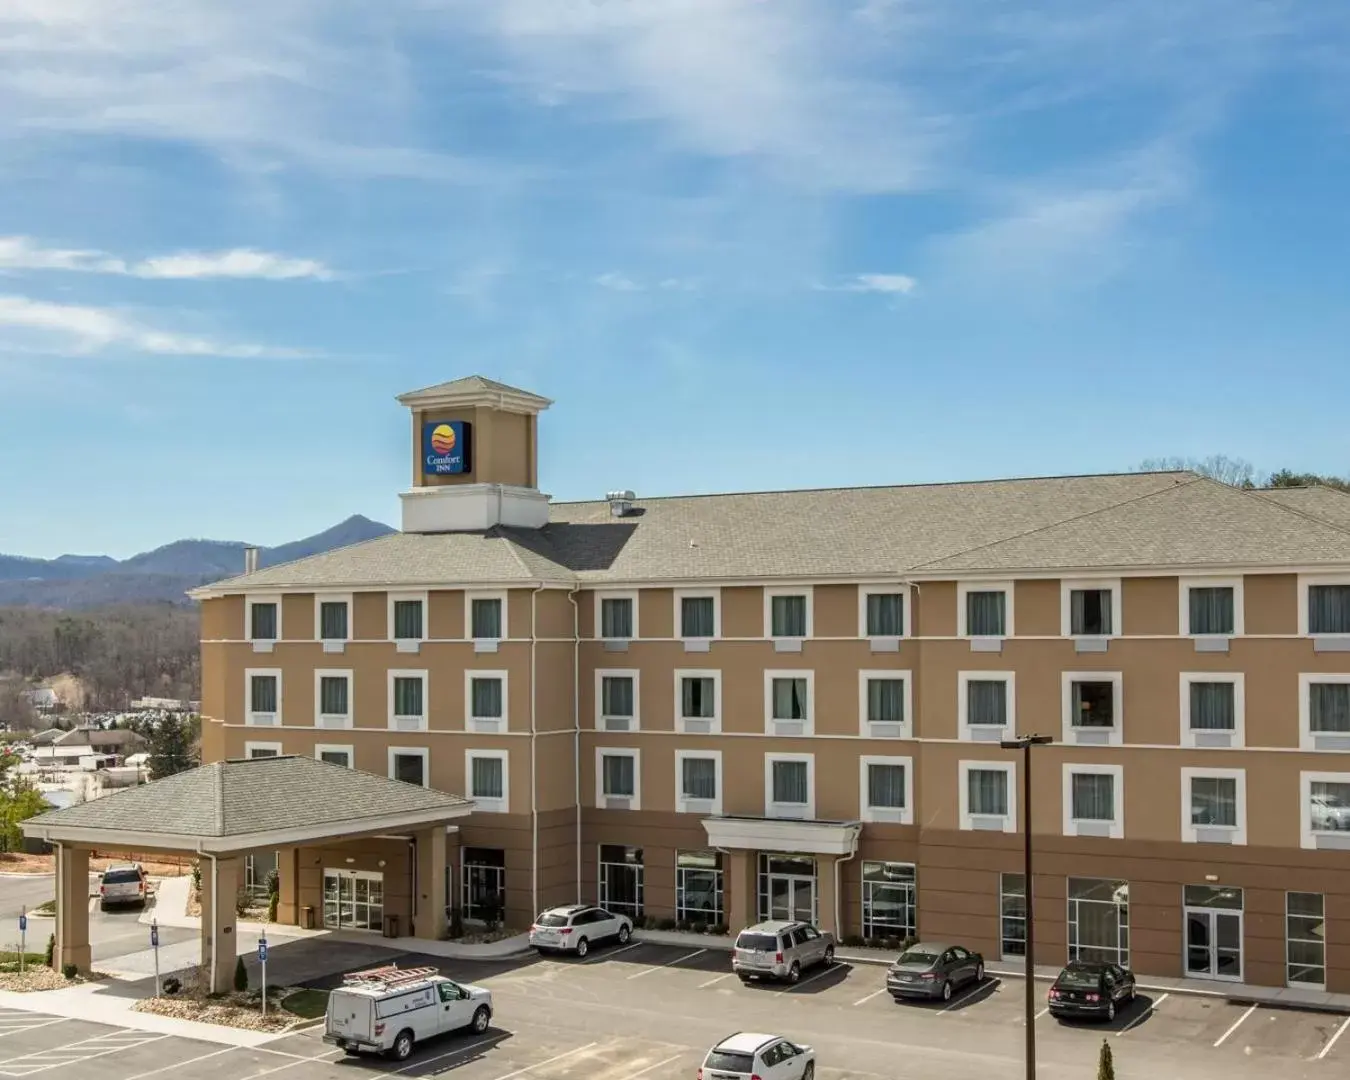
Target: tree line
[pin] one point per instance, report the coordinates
(1243, 474)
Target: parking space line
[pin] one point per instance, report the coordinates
(812, 978)
(1332, 1041)
(671, 963)
(180, 1064)
(1236, 1023)
(17, 1029)
(1152, 1007)
(548, 1061)
(28, 1064)
(490, 1040)
(293, 1064)
(869, 997)
(1041, 1013)
(616, 952)
(975, 989)
(650, 1068)
(718, 979)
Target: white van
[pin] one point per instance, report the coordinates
(389, 1010)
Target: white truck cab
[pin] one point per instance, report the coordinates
(388, 1010)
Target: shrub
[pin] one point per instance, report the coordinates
(665, 924)
(1106, 1066)
(273, 881)
(171, 985)
(240, 975)
(720, 929)
(639, 922)
(456, 923)
(242, 901)
(196, 877)
(891, 944)
(697, 927)
(908, 943)
(853, 941)
(70, 971)
(51, 951)
(272, 902)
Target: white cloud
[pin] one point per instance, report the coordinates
(618, 283)
(890, 284)
(624, 283)
(22, 253)
(76, 329)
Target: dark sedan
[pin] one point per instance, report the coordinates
(933, 972)
(1091, 989)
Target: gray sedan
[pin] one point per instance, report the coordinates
(933, 972)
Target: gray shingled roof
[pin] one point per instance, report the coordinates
(471, 384)
(1128, 519)
(1317, 501)
(229, 799)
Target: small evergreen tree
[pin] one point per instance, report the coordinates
(51, 951)
(1106, 1066)
(241, 976)
(170, 748)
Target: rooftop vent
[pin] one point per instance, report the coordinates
(250, 559)
(620, 502)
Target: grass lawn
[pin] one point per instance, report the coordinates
(308, 1004)
(47, 908)
(9, 961)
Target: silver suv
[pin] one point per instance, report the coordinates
(780, 950)
(123, 885)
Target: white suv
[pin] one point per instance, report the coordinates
(577, 927)
(748, 1054)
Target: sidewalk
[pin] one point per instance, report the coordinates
(170, 909)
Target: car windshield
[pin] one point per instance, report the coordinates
(120, 877)
(551, 920)
(1080, 977)
(757, 942)
(918, 956)
(728, 1061)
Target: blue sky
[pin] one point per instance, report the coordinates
(742, 244)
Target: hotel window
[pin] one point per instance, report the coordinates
(1212, 706)
(885, 788)
(698, 700)
(1211, 610)
(409, 765)
(698, 781)
(1329, 609)
(789, 785)
(408, 620)
(1214, 806)
(789, 614)
(254, 750)
(264, 697)
(1091, 702)
(407, 700)
(698, 888)
(985, 611)
(487, 774)
(986, 796)
(883, 614)
(334, 755)
(618, 781)
(1326, 810)
(1324, 711)
(1090, 608)
(487, 618)
(1093, 801)
(486, 700)
(890, 903)
(698, 615)
(616, 699)
(264, 620)
(986, 706)
(333, 620)
(1305, 937)
(1099, 920)
(1012, 903)
(884, 700)
(333, 697)
(618, 617)
(789, 709)
(621, 879)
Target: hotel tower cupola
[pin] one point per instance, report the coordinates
(475, 458)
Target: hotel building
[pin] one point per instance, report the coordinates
(715, 709)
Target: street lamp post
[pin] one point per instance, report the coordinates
(1025, 743)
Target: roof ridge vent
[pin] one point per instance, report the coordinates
(620, 502)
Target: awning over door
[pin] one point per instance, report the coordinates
(779, 834)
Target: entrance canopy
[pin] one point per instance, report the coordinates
(780, 834)
(240, 806)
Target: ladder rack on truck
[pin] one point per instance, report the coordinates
(389, 976)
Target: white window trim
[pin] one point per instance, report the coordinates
(1066, 590)
(963, 681)
(631, 595)
(889, 815)
(601, 674)
(1009, 769)
(790, 811)
(333, 598)
(1238, 831)
(698, 673)
(602, 752)
(475, 673)
(336, 748)
(866, 676)
(407, 673)
(333, 720)
(411, 751)
(1117, 773)
(1306, 580)
(1239, 681)
(489, 806)
(1117, 681)
(250, 600)
(250, 746)
(790, 590)
(715, 595)
(470, 596)
(1307, 837)
(395, 597)
(249, 673)
(809, 724)
(965, 588)
(1184, 587)
(681, 800)
(1306, 737)
(864, 591)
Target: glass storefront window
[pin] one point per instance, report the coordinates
(1099, 920)
(1013, 914)
(889, 905)
(1305, 939)
(621, 881)
(787, 887)
(483, 884)
(698, 887)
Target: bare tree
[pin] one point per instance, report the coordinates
(1231, 471)
(16, 711)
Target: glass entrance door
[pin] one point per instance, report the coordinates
(1213, 932)
(353, 900)
(792, 898)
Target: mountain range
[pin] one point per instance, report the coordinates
(165, 574)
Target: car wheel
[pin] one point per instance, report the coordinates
(794, 972)
(583, 947)
(1130, 996)
(946, 989)
(1110, 1010)
(403, 1046)
(481, 1019)
(624, 934)
(351, 1051)
(829, 955)
(810, 1071)
(979, 973)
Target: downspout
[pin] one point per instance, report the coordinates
(215, 919)
(576, 725)
(853, 854)
(534, 750)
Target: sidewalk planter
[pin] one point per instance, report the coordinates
(685, 939)
(488, 950)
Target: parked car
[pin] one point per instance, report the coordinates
(780, 950)
(577, 927)
(389, 1010)
(1087, 988)
(933, 971)
(749, 1054)
(123, 885)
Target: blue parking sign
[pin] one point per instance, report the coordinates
(154, 937)
(262, 951)
(23, 923)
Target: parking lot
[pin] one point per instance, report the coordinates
(649, 1011)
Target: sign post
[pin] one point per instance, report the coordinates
(23, 937)
(154, 944)
(262, 959)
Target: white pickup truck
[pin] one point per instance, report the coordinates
(389, 1010)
